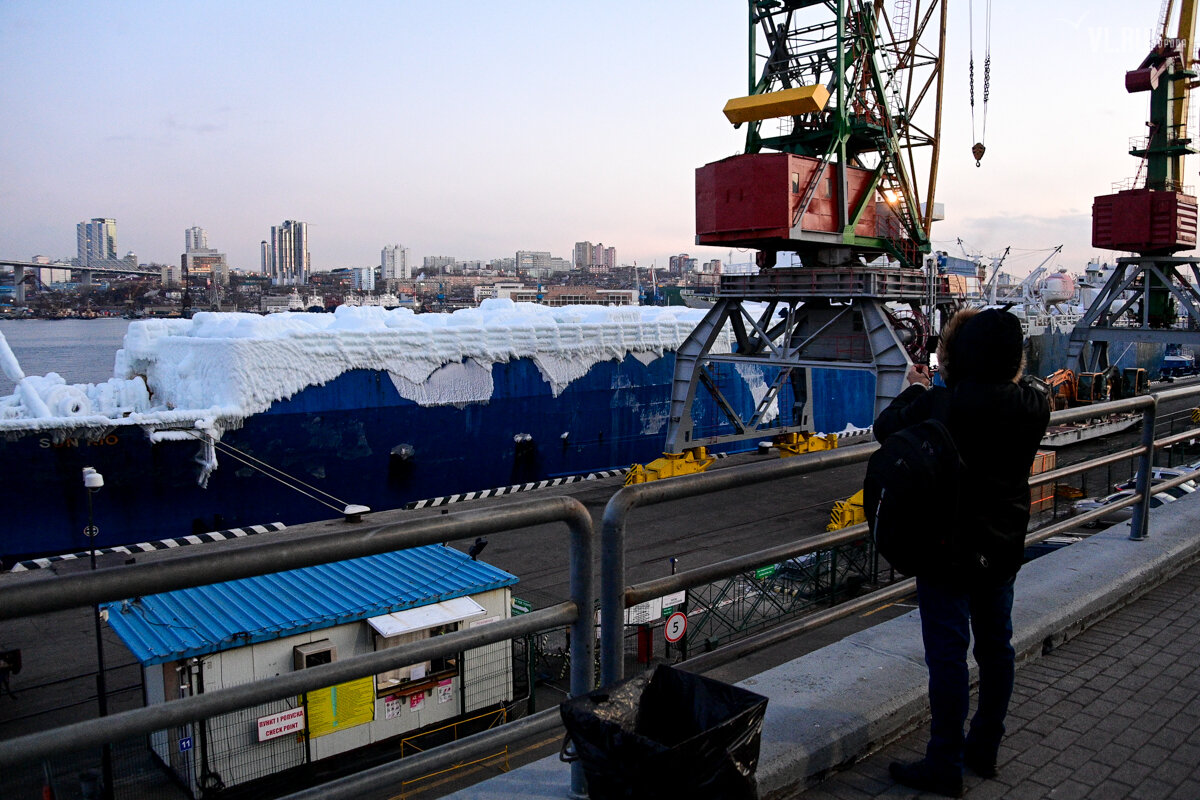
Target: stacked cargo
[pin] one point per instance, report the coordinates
(1041, 498)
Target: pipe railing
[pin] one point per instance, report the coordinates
(615, 596)
(57, 593)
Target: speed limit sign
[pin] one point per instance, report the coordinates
(675, 627)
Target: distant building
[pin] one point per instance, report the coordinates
(49, 276)
(594, 258)
(196, 240)
(201, 263)
(437, 263)
(583, 255)
(535, 263)
(395, 263)
(682, 264)
(285, 256)
(96, 243)
(364, 278)
(171, 275)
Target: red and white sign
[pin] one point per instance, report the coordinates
(675, 627)
(281, 724)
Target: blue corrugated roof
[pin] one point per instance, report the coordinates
(208, 619)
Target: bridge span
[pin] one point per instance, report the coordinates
(20, 268)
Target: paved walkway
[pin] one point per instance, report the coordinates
(1111, 713)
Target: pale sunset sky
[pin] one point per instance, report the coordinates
(475, 129)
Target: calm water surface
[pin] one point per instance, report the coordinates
(80, 350)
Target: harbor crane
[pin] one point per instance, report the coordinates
(1153, 215)
(839, 170)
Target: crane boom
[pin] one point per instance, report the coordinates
(1186, 33)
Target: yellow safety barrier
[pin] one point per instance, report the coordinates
(670, 465)
(794, 444)
(1196, 415)
(847, 512)
(412, 743)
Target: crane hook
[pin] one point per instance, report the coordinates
(978, 150)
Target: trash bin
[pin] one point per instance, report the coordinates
(666, 733)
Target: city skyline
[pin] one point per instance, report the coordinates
(548, 126)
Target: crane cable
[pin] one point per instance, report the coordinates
(978, 149)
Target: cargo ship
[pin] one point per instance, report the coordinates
(233, 420)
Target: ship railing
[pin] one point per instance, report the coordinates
(23, 599)
(1139, 182)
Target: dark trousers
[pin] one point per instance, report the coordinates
(949, 613)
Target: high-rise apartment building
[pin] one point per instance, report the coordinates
(395, 263)
(96, 243)
(594, 258)
(583, 255)
(682, 264)
(196, 240)
(285, 256)
(200, 262)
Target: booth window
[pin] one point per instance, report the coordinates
(415, 625)
(438, 668)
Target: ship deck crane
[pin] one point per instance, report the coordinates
(843, 121)
(1154, 217)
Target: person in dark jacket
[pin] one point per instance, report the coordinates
(997, 420)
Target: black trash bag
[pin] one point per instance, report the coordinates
(666, 733)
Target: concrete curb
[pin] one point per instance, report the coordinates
(838, 704)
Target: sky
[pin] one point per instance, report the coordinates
(475, 129)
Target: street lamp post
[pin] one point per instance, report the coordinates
(93, 481)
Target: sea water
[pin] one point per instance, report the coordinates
(80, 350)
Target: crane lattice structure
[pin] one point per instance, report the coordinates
(1148, 297)
(843, 122)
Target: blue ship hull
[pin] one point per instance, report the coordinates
(339, 438)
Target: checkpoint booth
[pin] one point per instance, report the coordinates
(208, 638)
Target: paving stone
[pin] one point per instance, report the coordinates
(1150, 789)
(1074, 756)
(1070, 790)
(1113, 713)
(1188, 790)
(1093, 773)
(1050, 775)
(1150, 754)
(1132, 773)
(1044, 723)
(1111, 790)
(988, 790)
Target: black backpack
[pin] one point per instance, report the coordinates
(911, 497)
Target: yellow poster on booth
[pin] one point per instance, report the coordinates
(339, 707)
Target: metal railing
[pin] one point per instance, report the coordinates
(59, 593)
(52, 594)
(615, 596)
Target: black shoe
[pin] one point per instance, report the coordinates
(982, 765)
(923, 776)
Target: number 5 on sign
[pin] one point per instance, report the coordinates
(675, 627)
